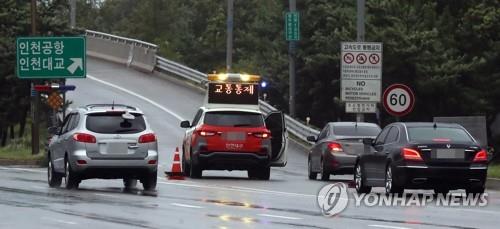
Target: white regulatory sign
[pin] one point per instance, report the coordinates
(360, 107)
(361, 71)
(360, 90)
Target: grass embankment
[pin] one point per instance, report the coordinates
(494, 171)
(18, 150)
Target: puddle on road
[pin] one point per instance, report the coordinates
(250, 220)
(72, 197)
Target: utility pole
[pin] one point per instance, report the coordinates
(35, 99)
(229, 48)
(360, 29)
(72, 13)
(291, 68)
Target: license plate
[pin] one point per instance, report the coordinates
(116, 148)
(236, 136)
(234, 146)
(449, 154)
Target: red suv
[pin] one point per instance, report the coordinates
(234, 139)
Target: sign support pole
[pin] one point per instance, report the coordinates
(229, 48)
(35, 138)
(72, 13)
(291, 59)
(360, 29)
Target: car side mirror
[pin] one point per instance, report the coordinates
(185, 124)
(311, 138)
(53, 130)
(368, 141)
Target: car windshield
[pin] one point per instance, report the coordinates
(438, 134)
(356, 131)
(234, 118)
(113, 123)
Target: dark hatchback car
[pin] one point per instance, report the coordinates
(337, 147)
(434, 156)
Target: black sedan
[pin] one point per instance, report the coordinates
(337, 147)
(434, 156)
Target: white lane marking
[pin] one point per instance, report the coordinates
(106, 195)
(386, 226)
(186, 205)
(23, 169)
(59, 220)
(38, 187)
(278, 216)
(479, 211)
(138, 96)
(241, 189)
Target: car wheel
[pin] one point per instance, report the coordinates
(442, 191)
(129, 183)
(390, 185)
(195, 171)
(312, 175)
(325, 175)
(359, 180)
(475, 189)
(70, 179)
(149, 181)
(264, 173)
(54, 178)
(185, 166)
(252, 173)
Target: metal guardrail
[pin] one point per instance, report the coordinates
(293, 126)
(124, 40)
(175, 68)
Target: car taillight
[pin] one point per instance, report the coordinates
(81, 162)
(86, 138)
(411, 154)
(441, 139)
(481, 156)
(146, 138)
(335, 147)
(262, 135)
(205, 133)
(152, 162)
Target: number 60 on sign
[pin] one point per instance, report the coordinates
(398, 100)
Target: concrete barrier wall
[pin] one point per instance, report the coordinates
(107, 50)
(143, 58)
(133, 53)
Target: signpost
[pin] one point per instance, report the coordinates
(51, 57)
(361, 75)
(398, 100)
(292, 26)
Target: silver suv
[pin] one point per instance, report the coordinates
(107, 141)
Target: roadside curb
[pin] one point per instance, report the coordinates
(493, 183)
(17, 162)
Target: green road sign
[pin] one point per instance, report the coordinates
(292, 26)
(50, 57)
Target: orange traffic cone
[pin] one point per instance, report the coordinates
(176, 172)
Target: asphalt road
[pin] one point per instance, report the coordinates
(220, 200)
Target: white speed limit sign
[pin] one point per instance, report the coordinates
(398, 100)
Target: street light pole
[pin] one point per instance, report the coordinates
(229, 48)
(360, 29)
(35, 99)
(291, 68)
(72, 13)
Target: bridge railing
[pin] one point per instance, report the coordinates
(142, 55)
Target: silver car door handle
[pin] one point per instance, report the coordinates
(133, 146)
